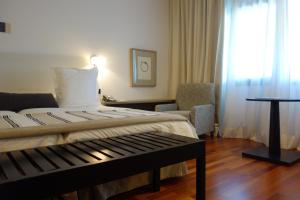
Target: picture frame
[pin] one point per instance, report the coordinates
(143, 67)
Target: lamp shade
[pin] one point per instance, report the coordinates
(98, 61)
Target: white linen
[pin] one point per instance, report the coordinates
(65, 108)
(4, 112)
(181, 128)
(76, 87)
(40, 110)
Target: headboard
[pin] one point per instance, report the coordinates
(16, 102)
(31, 73)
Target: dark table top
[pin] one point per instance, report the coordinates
(139, 101)
(273, 99)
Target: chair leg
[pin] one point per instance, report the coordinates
(212, 134)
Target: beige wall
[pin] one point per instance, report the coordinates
(47, 33)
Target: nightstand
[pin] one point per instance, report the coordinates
(139, 104)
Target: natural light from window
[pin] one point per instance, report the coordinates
(293, 52)
(256, 46)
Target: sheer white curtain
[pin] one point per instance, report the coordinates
(261, 58)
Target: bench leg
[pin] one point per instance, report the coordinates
(200, 177)
(155, 180)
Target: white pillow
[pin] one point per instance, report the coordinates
(76, 87)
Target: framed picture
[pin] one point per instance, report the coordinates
(143, 68)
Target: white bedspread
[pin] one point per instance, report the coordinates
(176, 127)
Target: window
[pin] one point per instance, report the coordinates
(262, 41)
(293, 38)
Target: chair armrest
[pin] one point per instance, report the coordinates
(203, 118)
(166, 107)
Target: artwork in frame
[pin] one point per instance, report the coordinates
(143, 68)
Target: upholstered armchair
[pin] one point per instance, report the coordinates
(197, 103)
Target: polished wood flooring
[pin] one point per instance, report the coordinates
(230, 177)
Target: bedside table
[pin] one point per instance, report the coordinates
(148, 104)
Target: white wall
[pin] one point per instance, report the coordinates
(81, 28)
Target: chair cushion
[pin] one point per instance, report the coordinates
(189, 95)
(185, 113)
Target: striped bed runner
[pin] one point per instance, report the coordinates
(52, 118)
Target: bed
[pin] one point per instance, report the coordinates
(37, 120)
(38, 127)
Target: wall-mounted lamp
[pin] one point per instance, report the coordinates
(100, 63)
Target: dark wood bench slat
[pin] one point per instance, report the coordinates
(97, 155)
(147, 141)
(155, 140)
(122, 146)
(140, 142)
(67, 155)
(8, 167)
(111, 147)
(53, 158)
(134, 145)
(163, 139)
(24, 163)
(81, 153)
(173, 137)
(42, 162)
(102, 149)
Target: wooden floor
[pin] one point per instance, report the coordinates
(230, 177)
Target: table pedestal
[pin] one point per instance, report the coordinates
(262, 153)
(273, 153)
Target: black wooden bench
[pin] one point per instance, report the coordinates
(49, 171)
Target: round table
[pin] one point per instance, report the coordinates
(274, 153)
